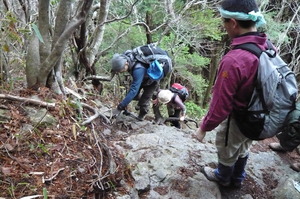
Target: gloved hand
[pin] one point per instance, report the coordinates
(116, 112)
(182, 118)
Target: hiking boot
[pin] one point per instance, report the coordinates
(276, 147)
(298, 149)
(296, 166)
(137, 107)
(211, 176)
(141, 116)
(237, 185)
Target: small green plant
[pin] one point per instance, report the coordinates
(45, 193)
(31, 146)
(194, 111)
(43, 147)
(11, 191)
(39, 148)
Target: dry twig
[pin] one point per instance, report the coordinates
(54, 175)
(27, 100)
(96, 115)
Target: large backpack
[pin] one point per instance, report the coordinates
(273, 97)
(180, 90)
(154, 57)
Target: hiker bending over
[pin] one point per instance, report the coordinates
(232, 91)
(275, 146)
(175, 106)
(128, 62)
(289, 137)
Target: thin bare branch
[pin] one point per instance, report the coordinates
(124, 17)
(95, 116)
(101, 78)
(27, 100)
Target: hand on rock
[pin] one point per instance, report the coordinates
(199, 135)
(116, 112)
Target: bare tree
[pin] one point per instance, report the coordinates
(52, 44)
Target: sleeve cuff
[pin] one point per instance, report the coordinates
(120, 107)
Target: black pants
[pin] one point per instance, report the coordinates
(145, 98)
(174, 113)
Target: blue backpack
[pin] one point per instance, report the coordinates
(273, 98)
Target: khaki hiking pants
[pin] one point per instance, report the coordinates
(237, 144)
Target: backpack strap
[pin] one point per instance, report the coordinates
(250, 47)
(227, 130)
(173, 98)
(150, 49)
(254, 49)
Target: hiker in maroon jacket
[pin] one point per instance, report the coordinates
(232, 91)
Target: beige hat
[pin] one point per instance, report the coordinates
(165, 96)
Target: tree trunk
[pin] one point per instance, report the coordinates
(63, 14)
(213, 68)
(150, 25)
(44, 28)
(49, 62)
(99, 32)
(32, 61)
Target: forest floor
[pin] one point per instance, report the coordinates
(65, 161)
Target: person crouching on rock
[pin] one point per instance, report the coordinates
(126, 63)
(175, 106)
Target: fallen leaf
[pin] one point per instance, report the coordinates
(8, 147)
(6, 170)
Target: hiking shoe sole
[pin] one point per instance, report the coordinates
(209, 173)
(295, 166)
(236, 185)
(276, 147)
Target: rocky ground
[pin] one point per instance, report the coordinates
(174, 159)
(48, 152)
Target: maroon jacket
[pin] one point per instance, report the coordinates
(235, 81)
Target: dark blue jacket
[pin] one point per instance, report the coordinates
(139, 79)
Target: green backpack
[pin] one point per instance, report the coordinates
(290, 135)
